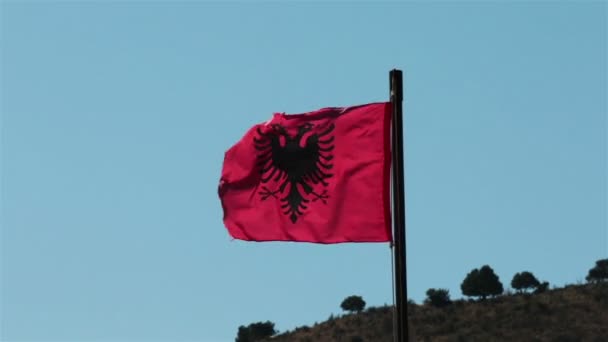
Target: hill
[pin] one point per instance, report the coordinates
(572, 313)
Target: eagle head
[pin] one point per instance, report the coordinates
(279, 129)
(307, 127)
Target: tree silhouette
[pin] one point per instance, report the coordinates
(524, 281)
(255, 332)
(542, 287)
(481, 282)
(438, 297)
(599, 272)
(353, 304)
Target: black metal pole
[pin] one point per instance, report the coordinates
(396, 83)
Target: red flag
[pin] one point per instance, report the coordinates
(319, 177)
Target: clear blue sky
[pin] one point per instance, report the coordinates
(116, 116)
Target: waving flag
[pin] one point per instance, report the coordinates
(320, 177)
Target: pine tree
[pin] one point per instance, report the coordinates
(524, 281)
(481, 282)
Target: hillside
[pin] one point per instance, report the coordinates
(573, 313)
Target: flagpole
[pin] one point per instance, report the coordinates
(398, 209)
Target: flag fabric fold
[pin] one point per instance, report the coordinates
(320, 177)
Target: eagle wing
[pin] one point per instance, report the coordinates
(317, 160)
(293, 163)
(269, 155)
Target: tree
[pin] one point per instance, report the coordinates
(599, 272)
(481, 282)
(353, 304)
(470, 285)
(524, 281)
(542, 287)
(438, 297)
(255, 332)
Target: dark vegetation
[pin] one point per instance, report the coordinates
(438, 297)
(353, 304)
(533, 313)
(255, 332)
(599, 272)
(481, 282)
(524, 281)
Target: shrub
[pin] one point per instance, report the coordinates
(438, 297)
(524, 281)
(353, 304)
(481, 282)
(599, 272)
(255, 331)
(542, 287)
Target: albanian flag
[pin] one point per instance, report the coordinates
(320, 177)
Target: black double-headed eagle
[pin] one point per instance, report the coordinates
(295, 164)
